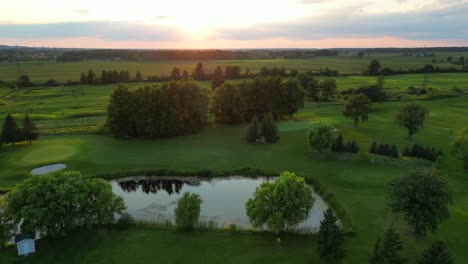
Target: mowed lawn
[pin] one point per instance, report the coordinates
(139, 245)
(357, 183)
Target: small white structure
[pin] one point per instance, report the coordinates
(25, 244)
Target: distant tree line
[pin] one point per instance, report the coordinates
(375, 69)
(175, 108)
(12, 132)
(421, 151)
(190, 55)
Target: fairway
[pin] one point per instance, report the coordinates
(47, 154)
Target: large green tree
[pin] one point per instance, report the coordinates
(10, 131)
(187, 212)
(29, 130)
(374, 68)
(228, 106)
(253, 132)
(330, 240)
(268, 129)
(411, 117)
(423, 197)
(459, 147)
(320, 136)
(388, 250)
(357, 108)
(328, 89)
(281, 204)
(218, 78)
(437, 253)
(119, 112)
(57, 203)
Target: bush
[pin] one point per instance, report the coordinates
(421, 151)
(187, 212)
(384, 149)
(125, 221)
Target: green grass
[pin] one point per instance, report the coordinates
(141, 245)
(359, 185)
(64, 71)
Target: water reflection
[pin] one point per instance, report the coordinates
(155, 198)
(155, 185)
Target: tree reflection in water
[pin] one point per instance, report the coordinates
(155, 185)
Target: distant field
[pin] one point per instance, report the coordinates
(82, 108)
(63, 71)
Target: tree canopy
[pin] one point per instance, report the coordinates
(411, 117)
(320, 136)
(357, 108)
(187, 212)
(281, 204)
(437, 253)
(330, 241)
(459, 147)
(388, 250)
(57, 203)
(423, 197)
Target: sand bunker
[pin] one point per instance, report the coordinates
(48, 169)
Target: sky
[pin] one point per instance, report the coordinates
(207, 24)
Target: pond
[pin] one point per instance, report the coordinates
(155, 198)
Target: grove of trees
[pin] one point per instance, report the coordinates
(12, 133)
(175, 108)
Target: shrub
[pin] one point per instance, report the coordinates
(125, 221)
(421, 151)
(187, 212)
(384, 149)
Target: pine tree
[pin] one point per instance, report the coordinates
(199, 73)
(394, 151)
(373, 148)
(338, 144)
(138, 77)
(29, 129)
(268, 129)
(83, 79)
(388, 250)
(406, 152)
(437, 253)
(353, 147)
(330, 244)
(218, 78)
(10, 131)
(253, 133)
(91, 77)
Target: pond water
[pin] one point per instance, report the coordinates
(155, 198)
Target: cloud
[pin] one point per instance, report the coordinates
(83, 12)
(96, 29)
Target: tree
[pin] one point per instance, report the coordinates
(423, 197)
(387, 251)
(281, 204)
(187, 212)
(459, 147)
(330, 241)
(24, 81)
(138, 76)
(437, 253)
(119, 113)
(338, 144)
(218, 78)
(253, 132)
(6, 228)
(185, 75)
(411, 117)
(374, 68)
(360, 54)
(29, 129)
(175, 74)
(91, 77)
(373, 148)
(199, 73)
(357, 108)
(57, 203)
(313, 89)
(268, 129)
(327, 89)
(228, 106)
(10, 131)
(320, 136)
(83, 79)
